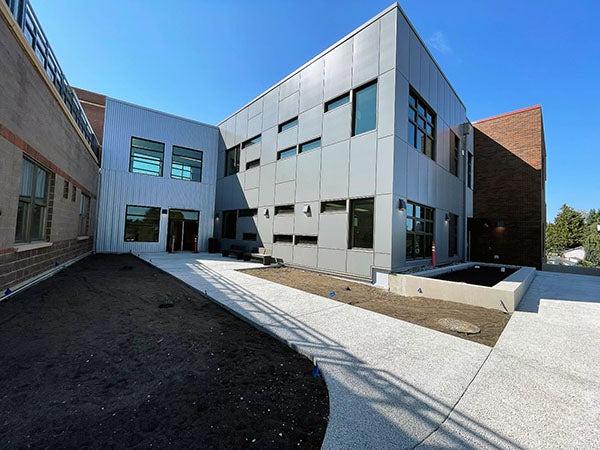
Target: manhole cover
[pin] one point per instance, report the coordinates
(460, 326)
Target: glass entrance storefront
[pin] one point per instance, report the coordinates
(183, 230)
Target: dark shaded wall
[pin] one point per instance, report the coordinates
(509, 204)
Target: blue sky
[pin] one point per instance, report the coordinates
(203, 60)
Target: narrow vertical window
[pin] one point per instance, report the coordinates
(232, 160)
(454, 153)
(419, 231)
(364, 109)
(421, 125)
(84, 215)
(361, 223)
(33, 203)
(470, 170)
(66, 189)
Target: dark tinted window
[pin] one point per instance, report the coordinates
(247, 212)
(142, 223)
(232, 161)
(454, 153)
(249, 142)
(306, 240)
(288, 124)
(253, 163)
(285, 238)
(284, 209)
(470, 170)
(310, 145)
(361, 223)
(452, 235)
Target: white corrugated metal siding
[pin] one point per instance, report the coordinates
(119, 187)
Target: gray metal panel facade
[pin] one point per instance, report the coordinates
(119, 187)
(379, 163)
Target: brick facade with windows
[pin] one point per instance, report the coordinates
(509, 197)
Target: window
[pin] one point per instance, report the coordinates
(66, 189)
(364, 109)
(306, 240)
(470, 170)
(337, 102)
(454, 153)
(229, 224)
(421, 125)
(452, 235)
(186, 164)
(247, 212)
(252, 164)
(33, 203)
(419, 231)
(142, 223)
(249, 142)
(74, 193)
(232, 160)
(249, 236)
(84, 215)
(361, 223)
(285, 238)
(287, 153)
(310, 145)
(333, 206)
(146, 157)
(288, 124)
(284, 209)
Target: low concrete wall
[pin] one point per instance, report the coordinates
(504, 296)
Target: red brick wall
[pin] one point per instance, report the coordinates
(510, 173)
(94, 106)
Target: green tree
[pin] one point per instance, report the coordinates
(593, 217)
(591, 240)
(567, 231)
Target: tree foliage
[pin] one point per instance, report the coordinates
(591, 240)
(567, 231)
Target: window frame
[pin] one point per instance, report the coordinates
(157, 231)
(324, 209)
(282, 210)
(470, 162)
(454, 154)
(283, 239)
(356, 91)
(236, 150)
(414, 121)
(351, 227)
(31, 201)
(254, 140)
(312, 141)
(410, 234)
(286, 150)
(198, 160)
(332, 104)
(253, 164)
(287, 125)
(84, 216)
(131, 157)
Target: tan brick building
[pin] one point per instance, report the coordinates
(509, 193)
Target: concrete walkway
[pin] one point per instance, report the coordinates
(391, 383)
(540, 387)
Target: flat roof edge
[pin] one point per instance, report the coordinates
(509, 113)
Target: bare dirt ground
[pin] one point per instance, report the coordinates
(89, 359)
(417, 310)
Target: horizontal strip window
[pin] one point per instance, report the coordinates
(283, 238)
(419, 230)
(186, 164)
(249, 236)
(337, 102)
(310, 145)
(142, 223)
(287, 153)
(421, 125)
(232, 160)
(247, 212)
(252, 164)
(288, 124)
(305, 240)
(284, 209)
(252, 141)
(146, 157)
(333, 206)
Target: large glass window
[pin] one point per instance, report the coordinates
(421, 125)
(361, 223)
(364, 109)
(419, 231)
(142, 223)
(232, 160)
(229, 224)
(454, 153)
(186, 164)
(33, 203)
(452, 235)
(84, 215)
(146, 157)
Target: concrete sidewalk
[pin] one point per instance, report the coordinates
(540, 387)
(391, 383)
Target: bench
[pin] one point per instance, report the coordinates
(238, 251)
(258, 254)
(263, 255)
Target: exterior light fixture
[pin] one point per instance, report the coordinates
(266, 212)
(446, 218)
(306, 210)
(500, 224)
(217, 216)
(401, 205)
